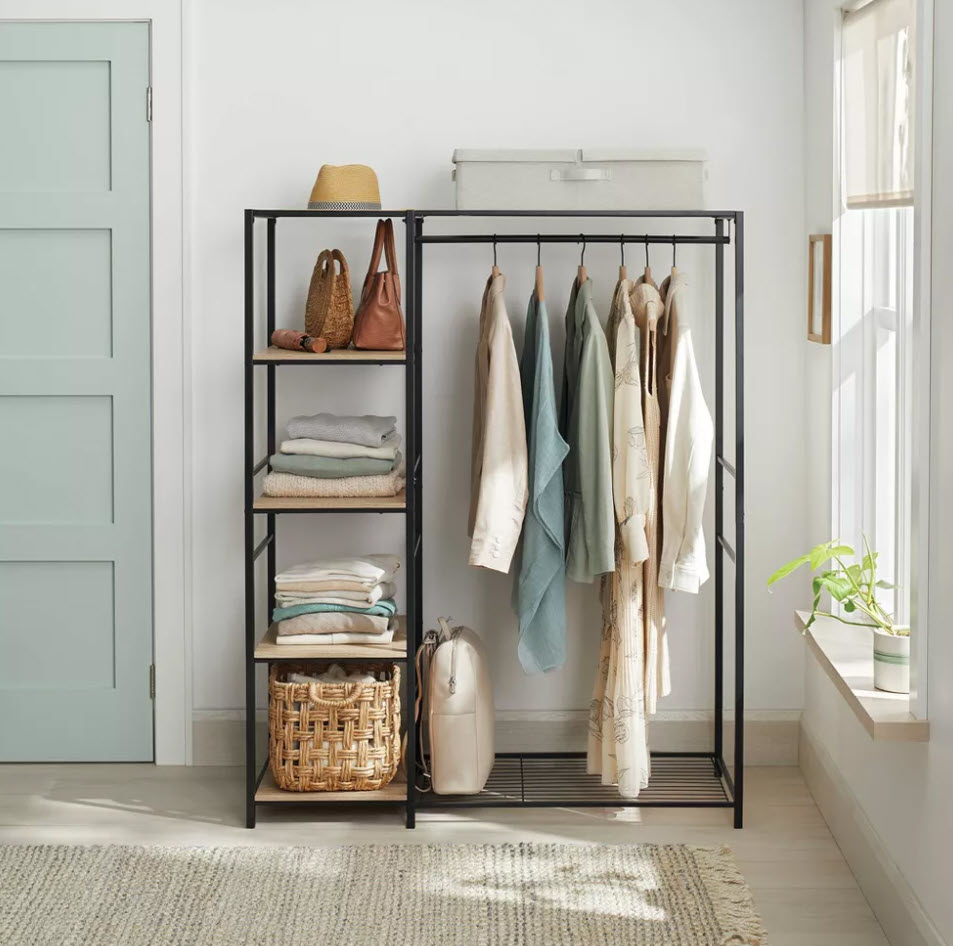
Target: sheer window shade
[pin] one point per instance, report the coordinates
(877, 75)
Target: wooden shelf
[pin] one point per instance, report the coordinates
(846, 655)
(348, 356)
(268, 649)
(396, 503)
(268, 791)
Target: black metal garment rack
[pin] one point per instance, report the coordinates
(527, 779)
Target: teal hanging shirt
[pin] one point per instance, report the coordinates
(541, 583)
(586, 423)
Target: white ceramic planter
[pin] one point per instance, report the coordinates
(891, 662)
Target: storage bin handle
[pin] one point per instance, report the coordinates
(580, 174)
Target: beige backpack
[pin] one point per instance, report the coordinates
(453, 683)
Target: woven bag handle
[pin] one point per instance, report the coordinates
(342, 262)
(326, 262)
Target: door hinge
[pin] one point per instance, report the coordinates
(149, 103)
(152, 681)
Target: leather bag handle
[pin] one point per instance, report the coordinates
(383, 243)
(391, 252)
(376, 252)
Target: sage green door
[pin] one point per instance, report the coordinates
(75, 389)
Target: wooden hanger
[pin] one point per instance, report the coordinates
(496, 269)
(581, 275)
(647, 275)
(622, 273)
(539, 271)
(674, 268)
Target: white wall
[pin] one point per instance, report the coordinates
(819, 19)
(279, 89)
(903, 790)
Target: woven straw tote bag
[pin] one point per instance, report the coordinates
(333, 737)
(329, 313)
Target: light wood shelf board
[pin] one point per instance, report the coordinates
(272, 354)
(331, 503)
(845, 653)
(268, 649)
(395, 791)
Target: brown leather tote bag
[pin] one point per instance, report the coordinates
(379, 322)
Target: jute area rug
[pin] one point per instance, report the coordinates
(398, 895)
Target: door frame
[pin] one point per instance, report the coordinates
(171, 359)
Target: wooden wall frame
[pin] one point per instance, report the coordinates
(819, 289)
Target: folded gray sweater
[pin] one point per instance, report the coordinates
(368, 430)
(329, 468)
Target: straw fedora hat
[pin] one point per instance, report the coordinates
(345, 187)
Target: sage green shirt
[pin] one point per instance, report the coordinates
(586, 424)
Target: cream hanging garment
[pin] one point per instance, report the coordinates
(647, 309)
(618, 738)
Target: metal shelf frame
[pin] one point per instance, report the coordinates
(546, 779)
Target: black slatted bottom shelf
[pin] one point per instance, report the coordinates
(539, 780)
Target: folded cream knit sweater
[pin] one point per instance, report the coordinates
(290, 484)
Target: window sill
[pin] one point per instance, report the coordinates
(845, 654)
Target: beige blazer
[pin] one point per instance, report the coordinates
(498, 463)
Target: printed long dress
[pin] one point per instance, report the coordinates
(648, 308)
(618, 738)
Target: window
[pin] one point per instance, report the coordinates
(874, 268)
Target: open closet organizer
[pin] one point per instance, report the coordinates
(525, 779)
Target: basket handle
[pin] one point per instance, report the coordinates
(355, 695)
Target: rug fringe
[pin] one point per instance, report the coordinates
(731, 898)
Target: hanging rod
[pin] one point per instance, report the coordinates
(685, 214)
(614, 238)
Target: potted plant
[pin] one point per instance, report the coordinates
(855, 587)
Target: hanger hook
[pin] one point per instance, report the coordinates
(646, 251)
(582, 256)
(673, 251)
(494, 249)
(622, 248)
(539, 251)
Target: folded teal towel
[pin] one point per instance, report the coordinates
(386, 607)
(331, 468)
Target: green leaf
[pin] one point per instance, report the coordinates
(849, 606)
(786, 570)
(883, 583)
(840, 588)
(821, 553)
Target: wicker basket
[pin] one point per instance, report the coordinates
(329, 313)
(333, 737)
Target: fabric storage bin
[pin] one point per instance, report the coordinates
(333, 737)
(579, 179)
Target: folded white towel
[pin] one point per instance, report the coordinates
(287, 599)
(325, 639)
(334, 674)
(376, 568)
(338, 584)
(343, 451)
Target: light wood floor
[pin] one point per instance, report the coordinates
(803, 887)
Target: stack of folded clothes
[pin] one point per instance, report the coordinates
(329, 455)
(337, 601)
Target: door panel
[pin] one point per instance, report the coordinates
(75, 390)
